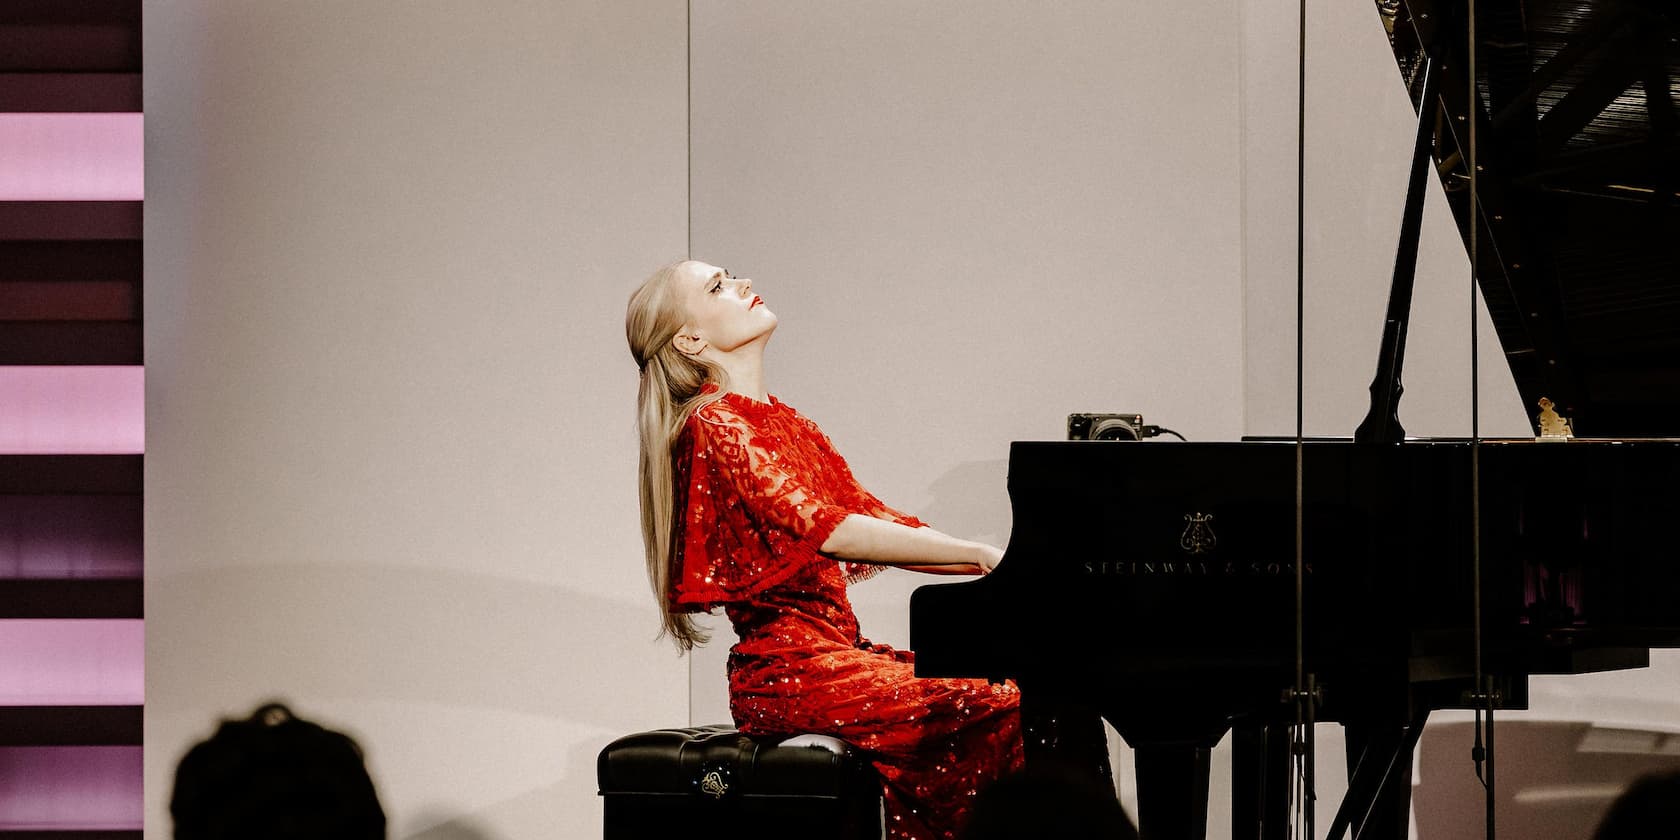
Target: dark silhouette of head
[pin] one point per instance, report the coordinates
(1054, 803)
(275, 776)
(1647, 810)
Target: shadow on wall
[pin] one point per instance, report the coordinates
(407, 634)
(532, 807)
(1553, 780)
(581, 771)
(967, 502)
(462, 828)
(438, 642)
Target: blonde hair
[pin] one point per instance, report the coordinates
(672, 388)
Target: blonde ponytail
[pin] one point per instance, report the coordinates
(672, 388)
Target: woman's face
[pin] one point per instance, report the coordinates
(722, 309)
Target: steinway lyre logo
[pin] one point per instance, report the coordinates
(1198, 537)
(713, 784)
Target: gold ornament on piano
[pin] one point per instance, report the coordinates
(1198, 537)
(1553, 427)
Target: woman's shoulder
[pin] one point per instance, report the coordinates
(735, 409)
(717, 411)
(722, 418)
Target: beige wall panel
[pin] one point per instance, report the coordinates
(390, 467)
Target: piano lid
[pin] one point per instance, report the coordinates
(1578, 140)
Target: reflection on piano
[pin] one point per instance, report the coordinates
(1155, 584)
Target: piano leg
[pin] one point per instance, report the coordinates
(1172, 735)
(1172, 781)
(1378, 803)
(1259, 781)
(1066, 734)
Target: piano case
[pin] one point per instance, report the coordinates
(713, 781)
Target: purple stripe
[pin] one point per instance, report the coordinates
(72, 410)
(72, 157)
(70, 788)
(72, 662)
(70, 537)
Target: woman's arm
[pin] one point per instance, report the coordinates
(865, 539)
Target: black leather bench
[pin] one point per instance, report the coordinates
(713, 781)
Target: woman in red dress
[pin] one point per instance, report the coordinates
(747, 506)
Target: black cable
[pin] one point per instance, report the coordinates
(1304, 712)
(1152, 431)
(1304, 761)
(1484, 681)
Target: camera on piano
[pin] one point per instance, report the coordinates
(1101, 426)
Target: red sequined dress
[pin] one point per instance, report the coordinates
(759, 488)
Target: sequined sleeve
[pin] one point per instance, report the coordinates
(749, 520)
(751, 466)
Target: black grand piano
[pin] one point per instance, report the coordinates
(1164, 587)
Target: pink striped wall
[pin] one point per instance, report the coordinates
(71, 411)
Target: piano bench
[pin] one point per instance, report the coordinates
(713, 781)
